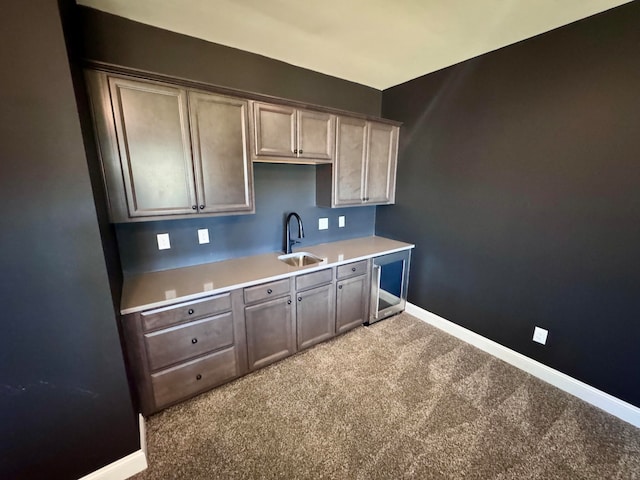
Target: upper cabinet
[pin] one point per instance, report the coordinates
(175, 149)
(364, 168)
(379, 179)
(219, 135)
(287, 134)
(168, 151)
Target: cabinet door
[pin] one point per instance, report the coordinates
(270, 332)
(221, 153)
(153, 138)
(315, 135)
(351, 304)
(350, 160)
(315, 316)
(382, 145)
(274, 130)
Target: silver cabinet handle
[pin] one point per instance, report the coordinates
(375, 299)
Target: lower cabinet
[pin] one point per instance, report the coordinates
(315, 315)
(181, 350)
(352, 302)
(270, 332)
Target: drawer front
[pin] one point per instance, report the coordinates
(313, 279)
(352, 269)
(192, 377)
(163, 317)
(266, 291)
(187, 340)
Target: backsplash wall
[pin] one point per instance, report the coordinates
(279, 189)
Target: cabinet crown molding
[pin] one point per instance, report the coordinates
(260, 97)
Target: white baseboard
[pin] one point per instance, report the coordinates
(619, 408)
(127, 466)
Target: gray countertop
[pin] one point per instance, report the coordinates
(158, 289)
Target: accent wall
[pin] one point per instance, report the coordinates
(518, 180)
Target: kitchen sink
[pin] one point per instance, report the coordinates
(300, 259)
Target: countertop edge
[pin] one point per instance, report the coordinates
(256, 281)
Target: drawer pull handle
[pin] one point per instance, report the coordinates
(194, 207)
(269, 291)
(190, 312)
(198, 377)
(353, 269)
(295, 150)
(299, 299)
(194, 340)
(288, 302)
(340, 287)
(300, 152)
(201, 207)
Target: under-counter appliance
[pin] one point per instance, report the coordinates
(389, 284)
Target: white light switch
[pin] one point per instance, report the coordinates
(323, 224)
(203, 235)
(540, 335)
(341, 221)
(163, 241)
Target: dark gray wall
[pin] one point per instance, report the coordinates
(518, 182)
(279, 189)
(64, 400)
(113, 39)
(71, 19)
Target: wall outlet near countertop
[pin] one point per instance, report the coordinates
(203, 235)
(163, 241)
(341, 221)
(323, 224)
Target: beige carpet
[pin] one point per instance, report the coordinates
(397, 400)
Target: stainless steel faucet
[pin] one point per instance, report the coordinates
(287, 226)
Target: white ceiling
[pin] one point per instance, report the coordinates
(379, 43)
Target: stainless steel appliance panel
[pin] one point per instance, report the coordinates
(389, 284)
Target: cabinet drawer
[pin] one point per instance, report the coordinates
(352, 269)
(187, 340)
(192, 377)
(163, 317)
(313, 279)
(266, 290)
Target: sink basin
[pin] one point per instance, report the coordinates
(300, 259)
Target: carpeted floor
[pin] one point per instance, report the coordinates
(397, 400)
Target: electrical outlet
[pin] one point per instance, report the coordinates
(203, 235)
(163, 241)
(540, 335)
(341, 221)
(323, 224)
